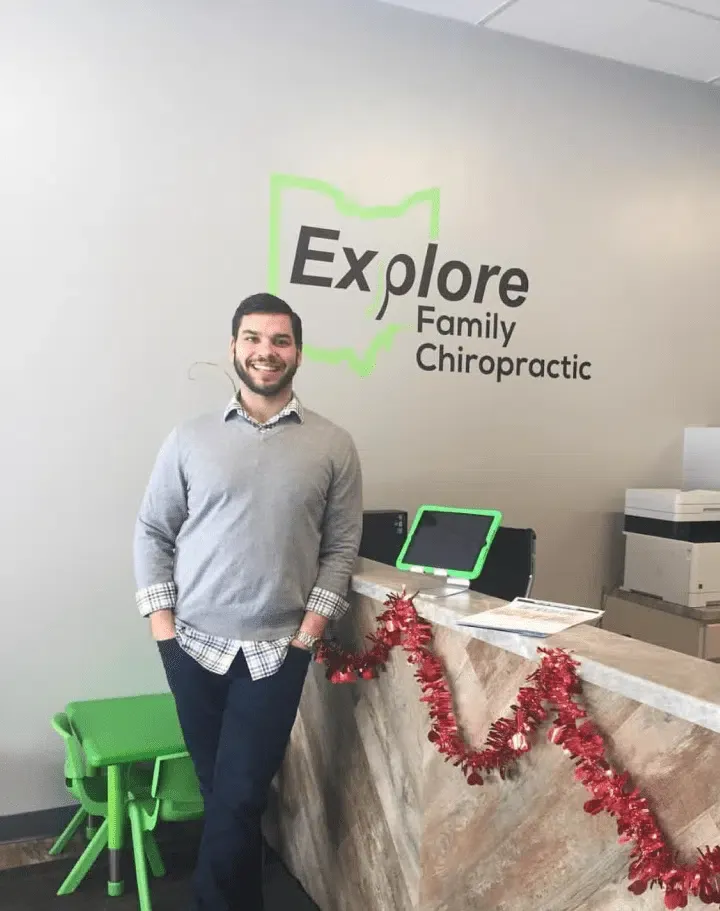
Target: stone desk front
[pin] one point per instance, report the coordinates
(369, 817)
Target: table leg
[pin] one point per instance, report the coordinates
(91, 824)
(116, 828)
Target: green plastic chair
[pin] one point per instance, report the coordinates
(90, 789)
(76, 769)
(174, 797)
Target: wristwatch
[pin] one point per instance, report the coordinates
(310, 642)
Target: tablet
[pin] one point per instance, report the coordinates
(449, 541)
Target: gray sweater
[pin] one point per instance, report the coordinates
(242, 523)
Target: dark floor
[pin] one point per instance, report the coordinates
(33, 887)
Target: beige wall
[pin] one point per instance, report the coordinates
(137, 145)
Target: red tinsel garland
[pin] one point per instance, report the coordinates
(555, 682)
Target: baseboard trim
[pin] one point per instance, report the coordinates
(40, 824)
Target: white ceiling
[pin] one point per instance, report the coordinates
(680, 37)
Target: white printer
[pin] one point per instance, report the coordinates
(672, 545)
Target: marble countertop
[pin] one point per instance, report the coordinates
(680, 685)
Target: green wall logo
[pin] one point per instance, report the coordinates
(322, 261)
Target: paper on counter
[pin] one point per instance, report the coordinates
(531, 617)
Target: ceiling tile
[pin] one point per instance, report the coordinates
(638, 32)
(467, 10)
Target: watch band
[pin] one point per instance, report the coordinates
(307, 640)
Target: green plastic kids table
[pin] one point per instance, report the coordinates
(115, 733)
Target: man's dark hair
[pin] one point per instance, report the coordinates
(267, 303)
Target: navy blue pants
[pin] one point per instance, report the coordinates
(236, 731)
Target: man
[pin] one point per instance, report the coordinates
(244, 547)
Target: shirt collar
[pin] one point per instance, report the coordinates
(293, 407)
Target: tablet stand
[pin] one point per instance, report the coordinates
(449, 586)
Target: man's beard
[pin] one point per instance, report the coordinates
(267, 389)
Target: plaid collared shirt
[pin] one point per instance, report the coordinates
(214, 653)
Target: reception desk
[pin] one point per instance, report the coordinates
(369, 817)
